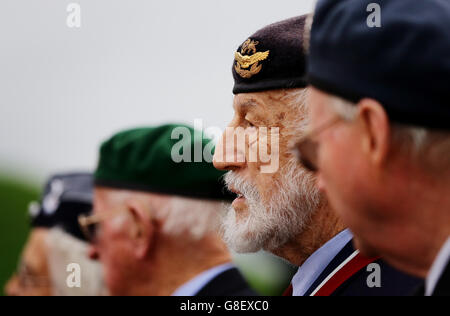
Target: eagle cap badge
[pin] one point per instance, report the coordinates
(244, 61)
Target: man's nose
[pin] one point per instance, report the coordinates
(93, 253)
(12, 287)
(228, 154)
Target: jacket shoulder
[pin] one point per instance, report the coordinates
(228, 283)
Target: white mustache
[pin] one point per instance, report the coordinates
(247, 189)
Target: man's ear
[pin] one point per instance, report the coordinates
(375, 129)
(142, 228)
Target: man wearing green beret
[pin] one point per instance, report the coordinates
(155, 218)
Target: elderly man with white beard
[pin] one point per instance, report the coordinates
(270, 212)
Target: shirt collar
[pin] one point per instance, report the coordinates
(318, 261)
(192, 287)
(437, 268)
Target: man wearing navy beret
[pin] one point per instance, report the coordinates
(270, 212)
(156, 215)
(380, 128)
(55, 241)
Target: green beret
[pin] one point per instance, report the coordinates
(169, 159)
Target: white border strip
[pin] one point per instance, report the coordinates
(353, 255)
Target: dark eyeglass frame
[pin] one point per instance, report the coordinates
(89, 224)
(306, 148)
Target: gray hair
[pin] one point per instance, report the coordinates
(180, 216)
(64, 250)
(424, 146)
(192, 217)
(299, 106)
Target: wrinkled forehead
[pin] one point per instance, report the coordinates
(269, 102)
(248, 102)
(280, 108)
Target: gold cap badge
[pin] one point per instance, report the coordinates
(243, 62)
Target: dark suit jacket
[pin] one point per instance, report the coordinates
(393, 282)
(228, 283)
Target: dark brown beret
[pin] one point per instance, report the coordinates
(272, 58)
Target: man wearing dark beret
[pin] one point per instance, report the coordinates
(380, 128)
(156, 210)
(271, 212)
(56, 241)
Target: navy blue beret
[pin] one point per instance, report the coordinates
(272, 58)
(404, 64)
(65, 197)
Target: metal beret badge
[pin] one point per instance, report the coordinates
(244, 61)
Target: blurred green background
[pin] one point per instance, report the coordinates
(15, 196)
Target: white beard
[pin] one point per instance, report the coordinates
(271, 224)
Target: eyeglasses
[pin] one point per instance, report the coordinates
(306, 148)
(90, 224)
